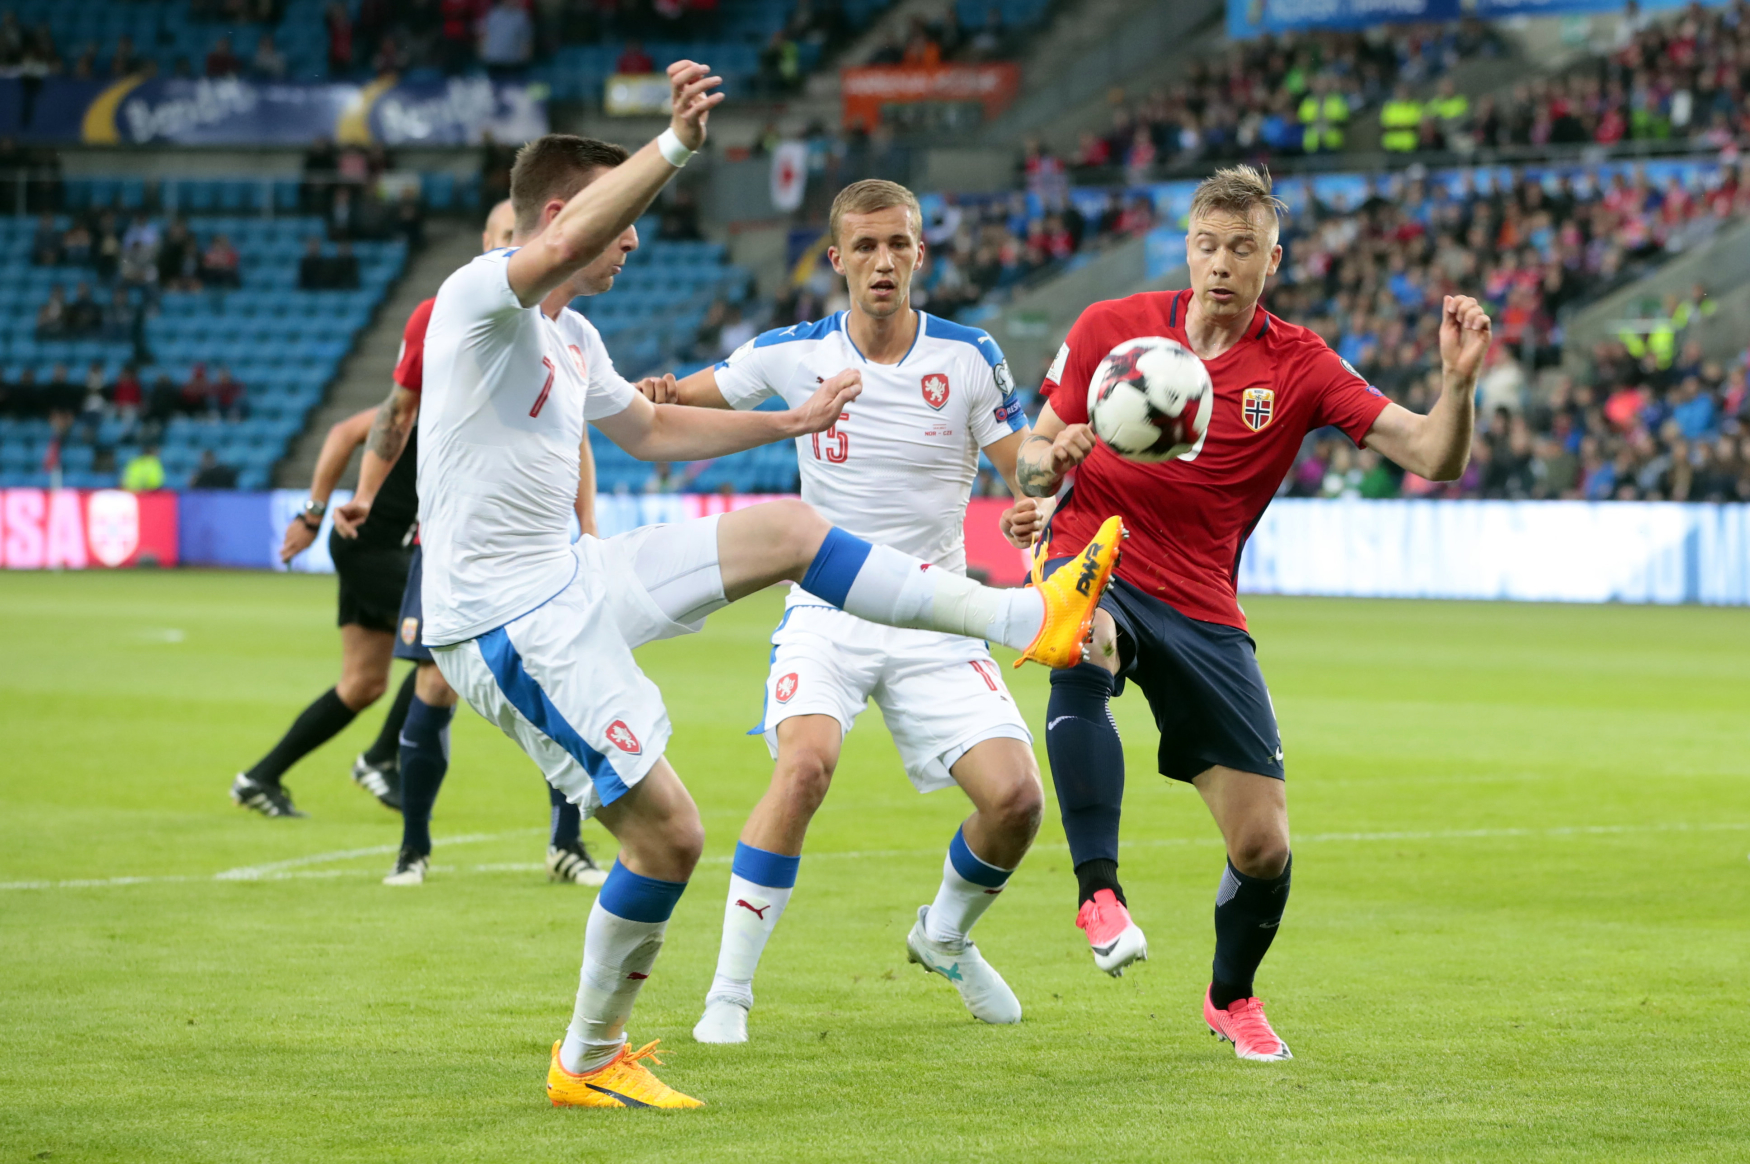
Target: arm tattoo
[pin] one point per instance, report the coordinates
(1035, 480)
(389, 429)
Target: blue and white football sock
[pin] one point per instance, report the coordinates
(425, 757)
(760, 884)
(620, 945)
(883, 585)
(969, 885)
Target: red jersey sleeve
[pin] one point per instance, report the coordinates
(410, 365)
(1345, 399)
(1066, 384)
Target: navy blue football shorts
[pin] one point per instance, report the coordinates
(408, 644)
(1202, 682)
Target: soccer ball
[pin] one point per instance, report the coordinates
(1150, 399)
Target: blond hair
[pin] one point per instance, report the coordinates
(1237, 190)
(868, 196)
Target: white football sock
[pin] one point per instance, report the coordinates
(617, 956)
(961, 902)
(750, 914)
(899, 590)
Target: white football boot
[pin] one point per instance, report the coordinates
(410, 868)
(983, 990)
(724, 1021)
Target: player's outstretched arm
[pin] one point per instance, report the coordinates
(343, 437)
(1437, 446)
(696, 391)
(669, 432)
(601, 211)
(390, 428)
(1050, 450)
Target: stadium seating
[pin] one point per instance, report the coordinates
(283, 344)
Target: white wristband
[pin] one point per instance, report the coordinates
(673, 151)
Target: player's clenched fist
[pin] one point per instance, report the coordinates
(1025, 520)
(659, 389)
(690, 88)
(1464, 337)
(821, 411)
(1070, 449)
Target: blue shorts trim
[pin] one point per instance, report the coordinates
(1202, 683)
(527, 697)
(410, 626)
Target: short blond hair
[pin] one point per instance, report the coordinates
(1238, 190)
(868, 196)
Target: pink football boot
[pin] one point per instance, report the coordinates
(1243, 1024)
(1116, 940)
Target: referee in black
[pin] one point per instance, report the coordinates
(372, 569)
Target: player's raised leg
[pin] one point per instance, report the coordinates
(424, 760)
(790, 541)
(763, 875)
(1087, 766)
(1252, 813)
(1001, 778)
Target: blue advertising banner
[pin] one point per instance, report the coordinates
(1249, 18)
(140, 110)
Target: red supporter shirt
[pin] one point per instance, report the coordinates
(1189, 518)
(410, 364)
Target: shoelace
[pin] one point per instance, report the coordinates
(1246, 1018)
(647, 1051)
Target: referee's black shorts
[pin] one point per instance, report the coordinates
(1202, 682)
(371, 581)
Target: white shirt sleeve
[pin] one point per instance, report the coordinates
(749, 374)
(996, 409)
(609, 392)
(480, 291)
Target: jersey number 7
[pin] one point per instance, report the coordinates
(838, 443)
(541, 400)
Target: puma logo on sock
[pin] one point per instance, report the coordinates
(757, 911)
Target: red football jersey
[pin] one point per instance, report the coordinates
(410, 364)
(1189, 518)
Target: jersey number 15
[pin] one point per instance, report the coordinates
(838, 444)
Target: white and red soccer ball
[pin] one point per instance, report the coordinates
(1150, 399)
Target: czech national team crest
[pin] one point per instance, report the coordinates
(786, 687)
(1257, 406)
(936, 390)
(622, 738)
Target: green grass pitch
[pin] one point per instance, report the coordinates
(1518, 929)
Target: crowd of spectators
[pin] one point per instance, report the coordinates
(353, 189)
(1274, 96)
(931, 41)
(135, 259)
(31, 53)
(1668, 79)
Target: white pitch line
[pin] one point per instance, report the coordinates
(293, 868)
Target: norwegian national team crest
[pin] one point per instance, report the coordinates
(936, 390)
(622, 738)
(1257, 406)
(786, 687)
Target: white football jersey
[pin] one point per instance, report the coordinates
(898, 466)
(507, 392)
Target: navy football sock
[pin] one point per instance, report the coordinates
(567, 820)
(1247, 913)
(383, 749)
(425, 757)
(315, 726)
(1087, 765)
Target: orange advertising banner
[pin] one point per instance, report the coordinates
(866, 90)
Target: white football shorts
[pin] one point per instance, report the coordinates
(561, 681)
(939, 693)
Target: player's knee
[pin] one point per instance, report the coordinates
(1017, 809)
(798, 529)
(360, 691)
(1103, 649)
(805, 774)
(1260, 852)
